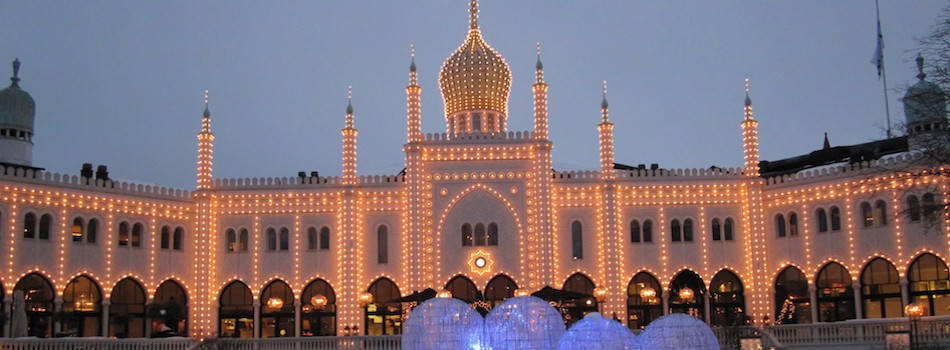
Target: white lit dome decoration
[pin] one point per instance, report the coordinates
(677, 331)
(597, 332)
(443, 323)
(524, 323)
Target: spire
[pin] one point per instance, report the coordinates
(603, 104)
(920, 67)
(207, 112)
(827, 143)
(748, 100)
(412, 65)
(349, 107)
(16, 72)
(539, 68)
(473, 19)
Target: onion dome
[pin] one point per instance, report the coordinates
(17, 108)
(475, 76)
(925, 101)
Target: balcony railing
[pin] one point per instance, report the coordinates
(932, 332)
(388, 342)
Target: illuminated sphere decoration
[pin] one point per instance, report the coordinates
(914, 310)
(677, 332)
(523, 323)
(275, 303)
(686, 294)
(596, 332)
(365, 299)
(647, 293)
(600, 293)
(318, 301)
(443, 323)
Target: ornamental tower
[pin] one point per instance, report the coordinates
(349, 143)
(17, 110)
(206, 228)
(205, 149)
(750, 137)
(475, 82)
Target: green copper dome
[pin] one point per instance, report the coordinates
(17, 108)
(925, 101)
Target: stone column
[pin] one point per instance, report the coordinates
(858, 303)
(666, 302)
(7, 304)
(297, 311)
(57, 306)
(813, 298)
(105, 318)
(706, 307)
(257, 318)
(905, 293)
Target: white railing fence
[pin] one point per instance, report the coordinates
(388, 342)
(99, 344)
(934, 332)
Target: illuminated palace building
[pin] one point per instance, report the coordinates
(834, 235)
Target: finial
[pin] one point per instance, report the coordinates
(603, 103)
(748, 100)
(16, 71)
(920, 67)
(349, 100)
(207, 112)
(473, 20)
(827, 143)
(538, 65)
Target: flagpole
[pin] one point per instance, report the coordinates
(887, 102)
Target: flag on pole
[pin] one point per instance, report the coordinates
(878, 59)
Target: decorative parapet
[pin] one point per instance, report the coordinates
(511, 136)
(659, 174)
(302, 182)
(39, 177)
(890, 165)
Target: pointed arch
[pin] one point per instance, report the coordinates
(835, 293)
(792, 302)
(462, 288)
(236, 311)
(929, 283)
(127, 309)
(319, 309)
(577, 309)
(727, 299)
(82, 307)
(171, 295)
(277, 309)
(39, 293)
(644, 300)
(383, 316)
(880, 289)
(686, 294)
(500, 288)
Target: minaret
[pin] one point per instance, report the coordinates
(205, 149)
(413, 103)
(750, 137)
(540, 101)
(349, 143)
(606, 129)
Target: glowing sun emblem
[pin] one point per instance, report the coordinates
(480, 262)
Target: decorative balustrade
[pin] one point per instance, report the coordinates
(99, 344)
(388, 342)
(934, 332)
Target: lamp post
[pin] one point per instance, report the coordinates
(600, 294)
(914, 312)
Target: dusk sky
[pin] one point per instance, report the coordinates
(120, 83)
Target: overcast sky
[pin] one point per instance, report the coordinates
(121, 82)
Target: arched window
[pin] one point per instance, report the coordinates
(688, 230)
(242, 240)
(277, 310)
(318, 310)
(644, 300)
(686, 294)
(792, 303)
(579, 283)
(477, 122)
(324, 238)
(38, 292)
(492, 234)
(82, 307)
(29, 225)
(231, 243)
(46, 221)
(930, 206)
(171, 296)
(676, 232)
(462, 288)
(382, 245)
(284, 239)
(577, 240)
(635, 231)
(913, 208)
(311, 238)
(178, 241)
(835, 219)
(727, 302)
(835, 293)
(383, 316)
(271, 239)
(480, 238)
(123, 233)
(780, 225)
(137, 235)
(729, 230)
(498, 289)
(867, 215)
(792, 224)
(880, 212)
(236, 312)
(881, 290)
(92, 229)
(127, 310)
(930, 284)
(468, 237)
(822, 220)
(77, 229)
(647, 231)
(166, 237)
(716, 229)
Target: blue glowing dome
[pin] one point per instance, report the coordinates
(523, 323)
(443, 323)
(677, 331)
(597, 332)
